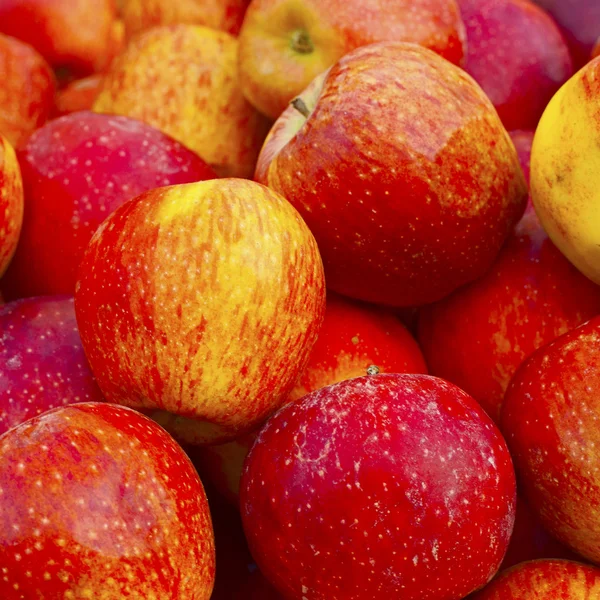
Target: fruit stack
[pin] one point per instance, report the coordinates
(300, 300)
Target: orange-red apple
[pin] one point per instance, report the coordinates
(200, 303)
(11, 203)
(78, 95)
(402, 169)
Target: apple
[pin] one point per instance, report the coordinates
(42, 364)
(544, 580)
(565, 163)
(183, 80)
(11, 203)
(139, 15)
(523, 140)
(79, 95)
(549, 418)
(285, 44)
(478, 336)
(200, 303)
(353, 337)
(98, 501)
(596, 49)
(403, 171)
(518, 55)
(388, 485)
(76, 34)
(76, 171)
(27, 91)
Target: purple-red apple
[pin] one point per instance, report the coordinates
(383, 486)
(76, 171)
(285, 44)
(98, 501)
(11, 203)
(200, 303)
(42, 364)
(402, 169)
(183, 80)
(550, 419)
(518, 55)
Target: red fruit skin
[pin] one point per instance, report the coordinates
(544, 580)
(382, 486)
(596, 49)
(518, 55)
(98, 501)
(478, 336)
(403, 172)
(77, 170)
(79, 95)
(549, 417)
(11, 203)
(523, 141)
(42, 364)
(27, 90)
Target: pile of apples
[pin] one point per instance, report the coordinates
(300, 299)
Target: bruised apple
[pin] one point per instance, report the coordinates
(200, 303)
(383, 486)
(11, 203)
(402, 169)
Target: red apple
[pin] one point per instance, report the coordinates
(27, 90)
(478, 336)
(550, 418)
(353, 337)
(596, 49)
(42, 364)
(518, 55)
(11, 203)
(79, 95)
(523, 141)
(544, 580)
(100, 502)
(403, 172)
(382, 486)
(76, 171)
(201, 303)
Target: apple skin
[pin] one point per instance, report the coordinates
(139, 15)
(79, 95)
(11, 203)
(195, 69)
(478, 336)
(76, 34)
(76, 170)
(353, 337)
(544, 580)
(523, 140)
(201, 303)
(596, 49)
(518, 55)
(389, 485)
(403, 171)
(42, 364)
(549, 418)
(27, 90)
(99, 501)
(285, 44)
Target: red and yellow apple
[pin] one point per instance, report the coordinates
(11, 203)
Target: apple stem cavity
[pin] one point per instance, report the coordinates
(301, 42)
(372, 370)
(301, 107)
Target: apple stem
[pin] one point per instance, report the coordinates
(301, 107)
(301, 42)
(372, 370)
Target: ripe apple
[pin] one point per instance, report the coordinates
(27, 90)
(544, 580)
(353, 337)
(285, 44)
(183, 80)
(77, 34)
(596, 49)
(200, 303)
(100, 502)
(42, 364)
(79, 95)
(402, 170)
(11, 203)
(76, 171)
(381, 486)
(139, 15)
(565, 163)
(523, 139)
(549, 417)
(518, 55)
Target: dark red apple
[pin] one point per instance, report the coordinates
(550, 418)
(384, 486)
(76, 170)
(98, 501)
(518, 55)
(42, 364)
